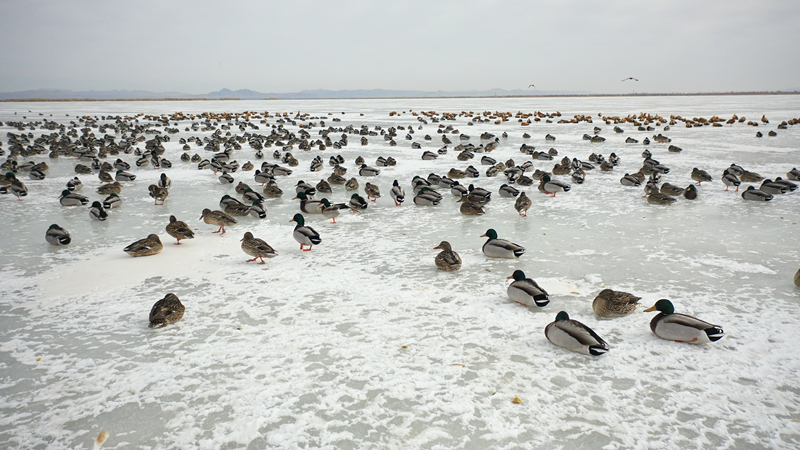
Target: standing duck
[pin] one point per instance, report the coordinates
(522, 204)
(308, 206)
(700, 176)
(303, 234)
(500, 248)
(57, 235)
(552, 187)
(151, 245)
(158, 193)
(575, 336)
(373, 191)
(680, 327)
(447, 259)
(609, 303)
(256, 248)
(217, 218)
(730, 179)
(526, 291)
(398, 193)
(331, 210)
(179, 230)
(166, 311)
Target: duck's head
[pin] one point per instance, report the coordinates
(663, 305)
(562, 315)
(64, 193)
(205, 211)
(172, 219)
(301, 196)
(518, 275)
(299, 219)
(325, 202)
(247, 236)
(490, 233)
(163, 176)
(97, 204)
(444, 245)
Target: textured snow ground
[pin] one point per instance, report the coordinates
(362, 344)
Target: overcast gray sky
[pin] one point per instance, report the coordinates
(198, 47)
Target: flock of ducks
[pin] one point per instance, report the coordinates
(81, 143)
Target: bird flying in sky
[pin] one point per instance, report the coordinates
(631, 78)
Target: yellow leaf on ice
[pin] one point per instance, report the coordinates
(517, 400)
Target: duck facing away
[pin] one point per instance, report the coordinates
(151, 245)
(447, 259)
(257, 248)
(526, 291)
(680, 327)
(166, 311)
(500, 248)
(57, 235)
(179, 230)
(303, 234)
(609, 303)
(574, 336)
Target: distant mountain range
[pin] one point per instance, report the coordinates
(247, 94)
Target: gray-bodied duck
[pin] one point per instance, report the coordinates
(447, 259)
(610, 303)
(575, 336)
(68, 198)
(672, 326)
(179, 230)
(257, 248)
(756, 195)
(500, 248)
(166, 311)
(97, 212)
(57, 235)
(331, 210)
(151, 245)
(303, 234)
(307, 205)
(526, 291)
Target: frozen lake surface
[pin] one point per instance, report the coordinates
(361, 343)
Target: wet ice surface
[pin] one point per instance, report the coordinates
(361, 343)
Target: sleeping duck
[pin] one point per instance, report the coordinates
(575, 336)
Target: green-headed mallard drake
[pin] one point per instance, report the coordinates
(272, 190)
(36, 175)
(57, 235)
(680, 327)
(552, 186)
(671, 190)
(447, 259)
(17, 188)
(166, 311)
(75, 184)
(526, 291)
(522, 204)
(793, 174)
(657, 198)
(771, 187)
(112, 201)
(280, 171)
(308, 206)
(305, 188)
(575, 336)
(158, 194)
(151, 245)
(351, 185)
(252, 196)
(217, 218)
(257, 248)
(303, 234)
(258, 210)
(179, 230)
(97, 212)
(263, 177)
(331, 210)
(164, 182)
(729, 179)
(609, 303)
(121, 175)
(324, 187)
(690, 193)
(398, 193)
(367, 171)
(427, 197)
(357, 203)
(756, 194)
(700, 176)
(500, 248)
(470, 208)
(109, 188)
(508, 191)
(373, 191)
(226, 178)
(789, 185)
(68, 198)
(630, 180)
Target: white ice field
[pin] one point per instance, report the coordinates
(361, 343)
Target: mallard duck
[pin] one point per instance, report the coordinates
(456, 173)
(522, 204)
(671, 190)
(158, 194)
(124, 176)
(303, 234)
(308, 206)
(110, 188)
(500, 248)
(730, 179)
(68, 198)
(336, 179)
(112, 201)
(789, 185)
(459, 190)
(574, 336)
(17, 188)
(609, 303)
(151, 245)
(657, 198)
(164, 182)
(36, 175)
(258, 210)
(82, 169)
(470, 208)
(479, 195)
(75, 184)
(373, 191)
(272, 190)
(750, 177)
(217, 218)
(324, 187)
(305, 188)
(771, 187)
(756, 194)
(508, 191)
(252, 196)
(280, 171)
(630, 180)
(357, 203)
(690, 193)
(793, 174)
(700, 176)
(97, 212)
(257, 248)
(797, 278)
(526, 291)
(236, 208)
(552, 187)
(57, 235)
(680, 327)
(121, 165)
(166, 311)
(366, 171)
(351, 185)
(242, 187)
(179, 230)
(263, 177)
(226, 178)
(398, 193)
(447, 259)
(331, 210)
(105, 177)
(427, 197)
(248, 166)
(579, 176)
